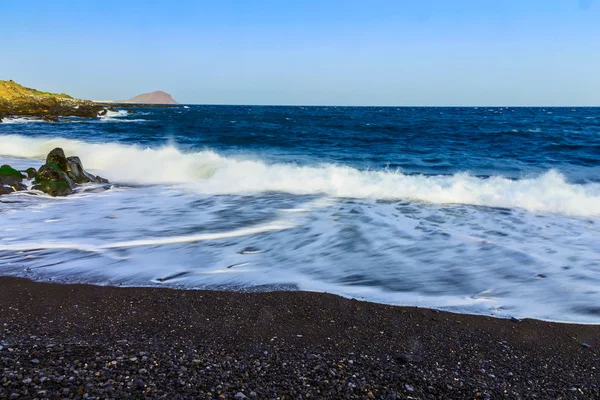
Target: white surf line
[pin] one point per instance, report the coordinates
(49, 246)
(198, 238)
(148, 242)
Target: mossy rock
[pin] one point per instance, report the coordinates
(53, 173)
(60, 174)
(11, 180)
(30, 172)
(53, 188)
(52, 180)
(57, 156)
(7, 170)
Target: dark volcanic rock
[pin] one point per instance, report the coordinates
(100, 179)
(60, 174)
(31, 173)
(76, 172)
(58, 157)
(50, 118)
(53, 181)
(11, 180)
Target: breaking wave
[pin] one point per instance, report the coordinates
(210, 173)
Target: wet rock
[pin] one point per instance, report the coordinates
(52, 180)
(239, 396)
(57, 156)
(60, 174)
(76, 172)
(31, 173)
(11, 180)
(50, 118)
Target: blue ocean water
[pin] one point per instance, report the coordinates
(483, 210)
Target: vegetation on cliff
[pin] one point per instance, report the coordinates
(17, 100)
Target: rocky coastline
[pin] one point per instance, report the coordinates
(19, 101)
(59, 176)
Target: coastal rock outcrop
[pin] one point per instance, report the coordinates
(60, 174)
(57, 177)
(11, 180)
(52, 180)
(21, 101)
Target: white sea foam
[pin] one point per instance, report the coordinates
(113, 114)
(21, 120)
(473, 259)
(210, 173)
(117, 116)
(146, 242)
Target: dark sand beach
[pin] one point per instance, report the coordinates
(82, 341)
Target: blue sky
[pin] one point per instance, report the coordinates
(376, 52)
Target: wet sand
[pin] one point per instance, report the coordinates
(83, 341)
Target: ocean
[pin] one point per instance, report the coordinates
(478, 210)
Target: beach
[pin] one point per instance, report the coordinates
(84, 341)
(236, 252)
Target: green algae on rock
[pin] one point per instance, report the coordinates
(52, 180)
(57, 177)
(60, 174)
(11, 180)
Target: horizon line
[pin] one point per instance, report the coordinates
(347, 105)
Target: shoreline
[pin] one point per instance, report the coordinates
(58, 337)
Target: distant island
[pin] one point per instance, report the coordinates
(157, 97)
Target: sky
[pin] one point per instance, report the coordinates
(327, 52)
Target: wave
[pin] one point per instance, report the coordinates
(113, 114)
(210, 173)
(21, 120)
(116, 116)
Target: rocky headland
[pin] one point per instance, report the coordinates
(19, 101)
(59, 176)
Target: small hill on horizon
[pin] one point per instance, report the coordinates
(157, 97)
